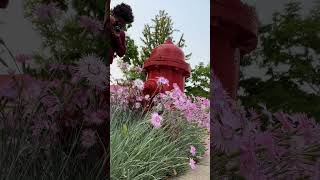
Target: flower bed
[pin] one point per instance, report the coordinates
(166, 140)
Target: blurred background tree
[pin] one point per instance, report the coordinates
(199, 82)
(288, 56)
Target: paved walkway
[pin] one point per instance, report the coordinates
(201, 173)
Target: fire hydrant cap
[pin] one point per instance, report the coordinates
(170, 55)
(167, 50)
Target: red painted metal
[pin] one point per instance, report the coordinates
(234, 28)
(168, 61)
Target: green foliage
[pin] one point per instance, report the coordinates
(199, 82)
(139, 151)
(132, 53)
(289, 51)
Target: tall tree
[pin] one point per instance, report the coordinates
(157, 33)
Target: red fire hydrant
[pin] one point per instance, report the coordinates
(168, 61)
(234, 27)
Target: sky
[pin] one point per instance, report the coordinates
(190, 17)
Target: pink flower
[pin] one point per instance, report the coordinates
(124, 66)
(284, 120)
(225, 139)
(88, 138)
(193, 150)
(75, 78)
(81, 97)
(156, 120)
(192, 164)
(90, 24)
(221, 97)
(167, 105)
(94, 70)
(306, 127)
(137, 105)
(33, 88)
(114, 88)
(45, 12)
(139, 69)
(139, 84)
(229, 118)
(51, 103)
(139, 98)
(162, 81)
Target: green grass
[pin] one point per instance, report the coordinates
(138, 151)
